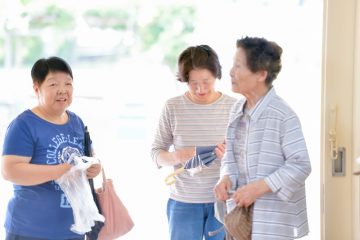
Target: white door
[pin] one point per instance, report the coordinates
(340, 120)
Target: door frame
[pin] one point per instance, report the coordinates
(340, 91)
(356, 126)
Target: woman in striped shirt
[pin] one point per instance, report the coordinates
(266, 161)
(196, 118)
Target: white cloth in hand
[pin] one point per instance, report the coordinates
(75, 185)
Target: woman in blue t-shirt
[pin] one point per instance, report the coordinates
(37, 145)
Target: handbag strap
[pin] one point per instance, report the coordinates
(103, 177)
(88, 153)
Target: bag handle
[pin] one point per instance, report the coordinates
(88, 153)
(103, 177)
(94, 232)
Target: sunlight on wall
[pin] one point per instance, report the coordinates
(121, 102)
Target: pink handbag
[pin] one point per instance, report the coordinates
(117, 219)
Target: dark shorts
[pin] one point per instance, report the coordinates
(11, 236)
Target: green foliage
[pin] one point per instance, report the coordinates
(107, 18)
(52, 16)
(66, 49)
(169, 28)
(173, 53)
(25, 2)
(168, 19)
(32, 51)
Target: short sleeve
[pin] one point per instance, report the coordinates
(18, 140)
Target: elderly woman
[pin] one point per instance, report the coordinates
(266, 161)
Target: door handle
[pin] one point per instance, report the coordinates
(337, 154)
(332, 133)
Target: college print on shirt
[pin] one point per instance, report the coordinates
(61, 148)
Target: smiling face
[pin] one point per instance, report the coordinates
(55, 93)
(202, 86)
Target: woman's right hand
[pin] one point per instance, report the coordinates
(19, 170)
(222, 188)
(181, 156)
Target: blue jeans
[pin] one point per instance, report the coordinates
(11, 236)
(192, 221)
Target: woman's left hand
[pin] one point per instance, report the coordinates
(93, 170)
(246, 195)
(220, 150)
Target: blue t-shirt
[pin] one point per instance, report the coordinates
(42, 210)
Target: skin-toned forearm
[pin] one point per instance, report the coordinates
(166, 159)
(263, 188)
(179, 156)
(27, 174)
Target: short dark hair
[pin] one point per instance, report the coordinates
(44, 66)
(198, 57)
(262, 54)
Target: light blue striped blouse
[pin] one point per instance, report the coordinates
(275, 151)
